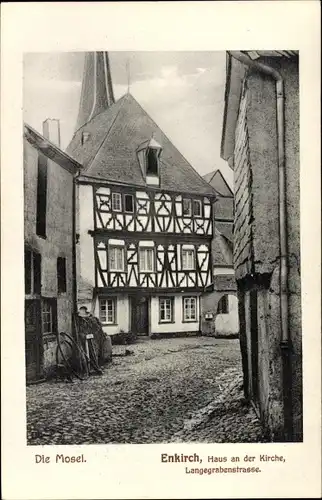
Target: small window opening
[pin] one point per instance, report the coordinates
(128, 202)
(223, 305)
(116, 202)
(85, 137)
(186, 207)
(41, 196)
(152, 162)
(197, 208)
(61, 274)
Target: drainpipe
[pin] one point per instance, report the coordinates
(285, 338)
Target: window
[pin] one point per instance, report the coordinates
(128, 202)
(146, 259)
(49, 316)
(223, 305)
(85, 137)
(188, 259)
(61, 274)
(189, 309)
(116, 202)
(116, 258)
(28, 271)
(186, 207)
(32, 272)
(152, 162)
(41, 196)
(166, 310)
(107, 311)
(197, 208)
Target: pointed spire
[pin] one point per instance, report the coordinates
(97, 89)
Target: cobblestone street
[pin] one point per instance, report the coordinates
(169, 390)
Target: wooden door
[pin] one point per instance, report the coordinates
(33, 340)
(140, 315)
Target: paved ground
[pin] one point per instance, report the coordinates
(180, 390)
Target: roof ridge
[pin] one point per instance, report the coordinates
(110, 128)
(223, 177)
(185, 159)
(214, 176)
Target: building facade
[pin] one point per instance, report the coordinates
(48, 237)
(219, 303)
(260, 141)
(145, 217)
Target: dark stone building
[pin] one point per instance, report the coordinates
(260, 141)
(49, 247)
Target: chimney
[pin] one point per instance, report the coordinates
(97, 89)
(51, 130)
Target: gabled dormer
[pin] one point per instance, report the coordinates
(149, 153)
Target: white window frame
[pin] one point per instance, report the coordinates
(115, 248)
(186, 266)
(108, 315)
(166, 304)
(190, 208)
(200, 208)
(187, 307)
(144, 268)
(116, 206)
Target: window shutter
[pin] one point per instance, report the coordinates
(41, 195)
(27, 271)
(61, 274)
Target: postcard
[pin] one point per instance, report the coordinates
(161, 250)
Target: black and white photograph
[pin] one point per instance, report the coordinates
(162, 247)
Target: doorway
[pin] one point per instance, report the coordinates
(140, 315)
(33, 340)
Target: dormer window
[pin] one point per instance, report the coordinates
(85, 137)
(149, 158)
(152, 167)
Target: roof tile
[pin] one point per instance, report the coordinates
(110, 152)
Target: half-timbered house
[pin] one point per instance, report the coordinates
(145, 215)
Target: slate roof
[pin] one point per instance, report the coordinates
(222, 250)
(218, 182)
(110, 152)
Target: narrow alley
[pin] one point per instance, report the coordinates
(169, 390)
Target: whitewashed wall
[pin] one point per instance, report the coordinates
(178, 325)
(86, 218)
(122, 316)
(228, 323)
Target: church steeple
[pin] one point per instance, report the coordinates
(97, 90)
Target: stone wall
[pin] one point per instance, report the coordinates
(58, 241)
(256, 245)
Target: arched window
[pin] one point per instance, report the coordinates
(223, 305)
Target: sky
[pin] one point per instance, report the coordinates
(182, 91)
